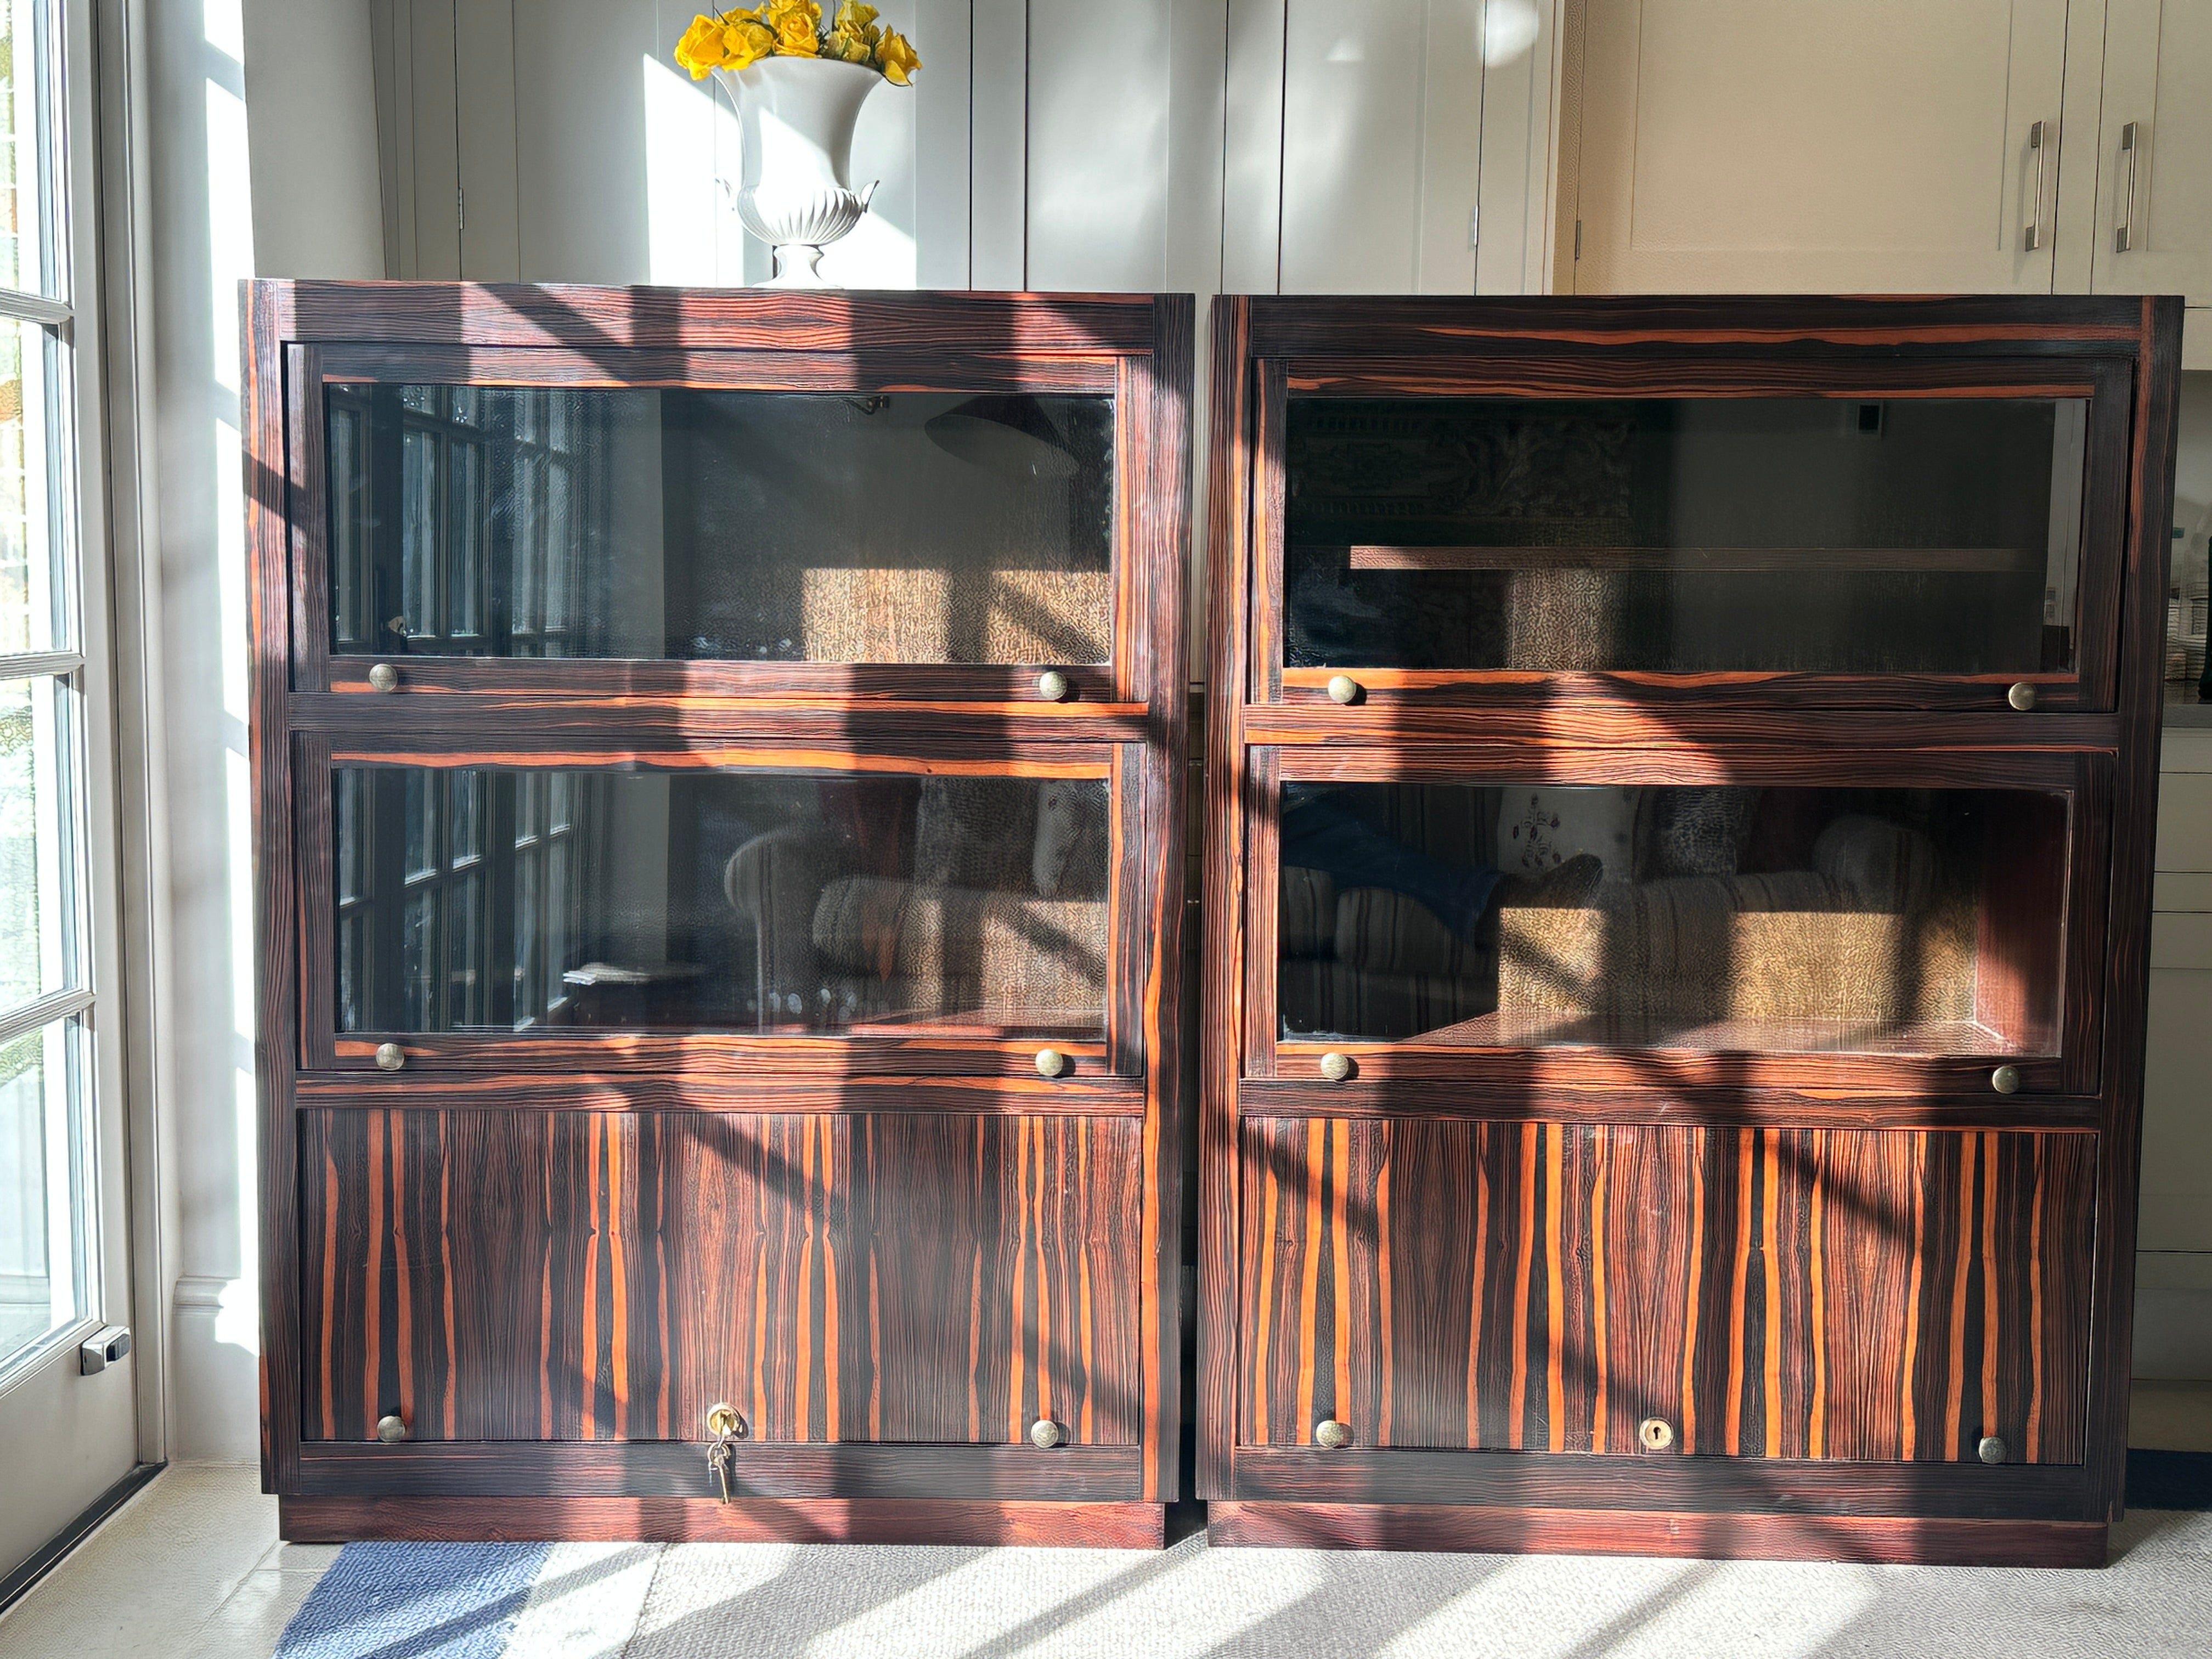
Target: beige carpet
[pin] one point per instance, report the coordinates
(149, 1583)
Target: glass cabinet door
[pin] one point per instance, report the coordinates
(1507, 913)
(691, 524)
(493, 900)
(1849, 536)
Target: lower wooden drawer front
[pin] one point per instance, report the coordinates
(1776, 1292)
(523, 1275)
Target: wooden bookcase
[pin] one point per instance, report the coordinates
(1767, 1190)
(718, 761)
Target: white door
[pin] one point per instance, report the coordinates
(65, 1437)
(1354, 146)
(2154, 224)
(1839, 146)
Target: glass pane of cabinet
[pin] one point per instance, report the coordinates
(490, 898)
(679, 524)
(1852, 920)
(1924, 536)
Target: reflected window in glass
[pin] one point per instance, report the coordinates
(902, 527)
(778, 902)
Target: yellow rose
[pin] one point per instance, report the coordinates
(746, 43)
(796, 26)
(854, 18)
(897, 58)
(700, 48)
(847, 48)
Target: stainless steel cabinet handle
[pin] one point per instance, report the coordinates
(2035, 214)
(2124, 237)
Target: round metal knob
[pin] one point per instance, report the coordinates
(389, 1057)
(391, 1429)
(1332, 1434)
(2021, 696)
(1342, 688)
(1335, 1068)
(2005, 1080)
(724, 1422)
(1992, 1450)
(1656, 1433)
(1050, 1062)
(1052, 686)
(383, 677)
(1046, 1433)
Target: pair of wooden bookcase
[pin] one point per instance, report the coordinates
(1679, 787)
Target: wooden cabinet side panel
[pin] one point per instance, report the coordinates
(1793, 1293)
(900, 1277)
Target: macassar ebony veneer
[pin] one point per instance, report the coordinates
(1680, 785)
(719, 765)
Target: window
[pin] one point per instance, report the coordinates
(46, 1179)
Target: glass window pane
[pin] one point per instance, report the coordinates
(1859, 920)
(26, 158)
(909, 527)
(1913, 536)
(38, 856)
(34, 589)
(732, 901)
(45, 1261)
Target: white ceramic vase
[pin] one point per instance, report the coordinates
(797, 116)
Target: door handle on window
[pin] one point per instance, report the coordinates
(2124, 237)
(2035, 216)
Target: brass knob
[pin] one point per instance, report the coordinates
(392, 1428)
(1992, 1450)
(2005, 1080)
(1334, 1067)
(390, 1056)
(1332, 1434)
(724, 1422)
(1052, 686)
(2021, 696)
(1342, 688)
(1656, 1433)
(383, 677)
(1050, 1062)
(1046, 1433)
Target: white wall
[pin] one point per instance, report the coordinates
(305, 194)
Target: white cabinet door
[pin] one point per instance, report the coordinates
(2154, 224)
(1354, 146)
(1837, 146)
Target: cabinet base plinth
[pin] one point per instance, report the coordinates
(1931, 1540)
(706, 1520)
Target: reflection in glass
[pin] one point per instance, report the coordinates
(903, 527)
(45, 1262)
(1869, 920)
(505, 899)
(1914, 535)
(38, 862)
(33, 596)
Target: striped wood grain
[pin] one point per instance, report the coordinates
(1782, 1293)
(494, 1275)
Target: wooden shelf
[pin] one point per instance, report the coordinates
(1935, 1039)
(1716, 561)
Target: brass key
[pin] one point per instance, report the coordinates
(728, 1427)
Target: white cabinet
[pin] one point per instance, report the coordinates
(1098, 144)
(2153, 229)
(1876, 146)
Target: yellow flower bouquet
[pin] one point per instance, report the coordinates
(793, 29)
